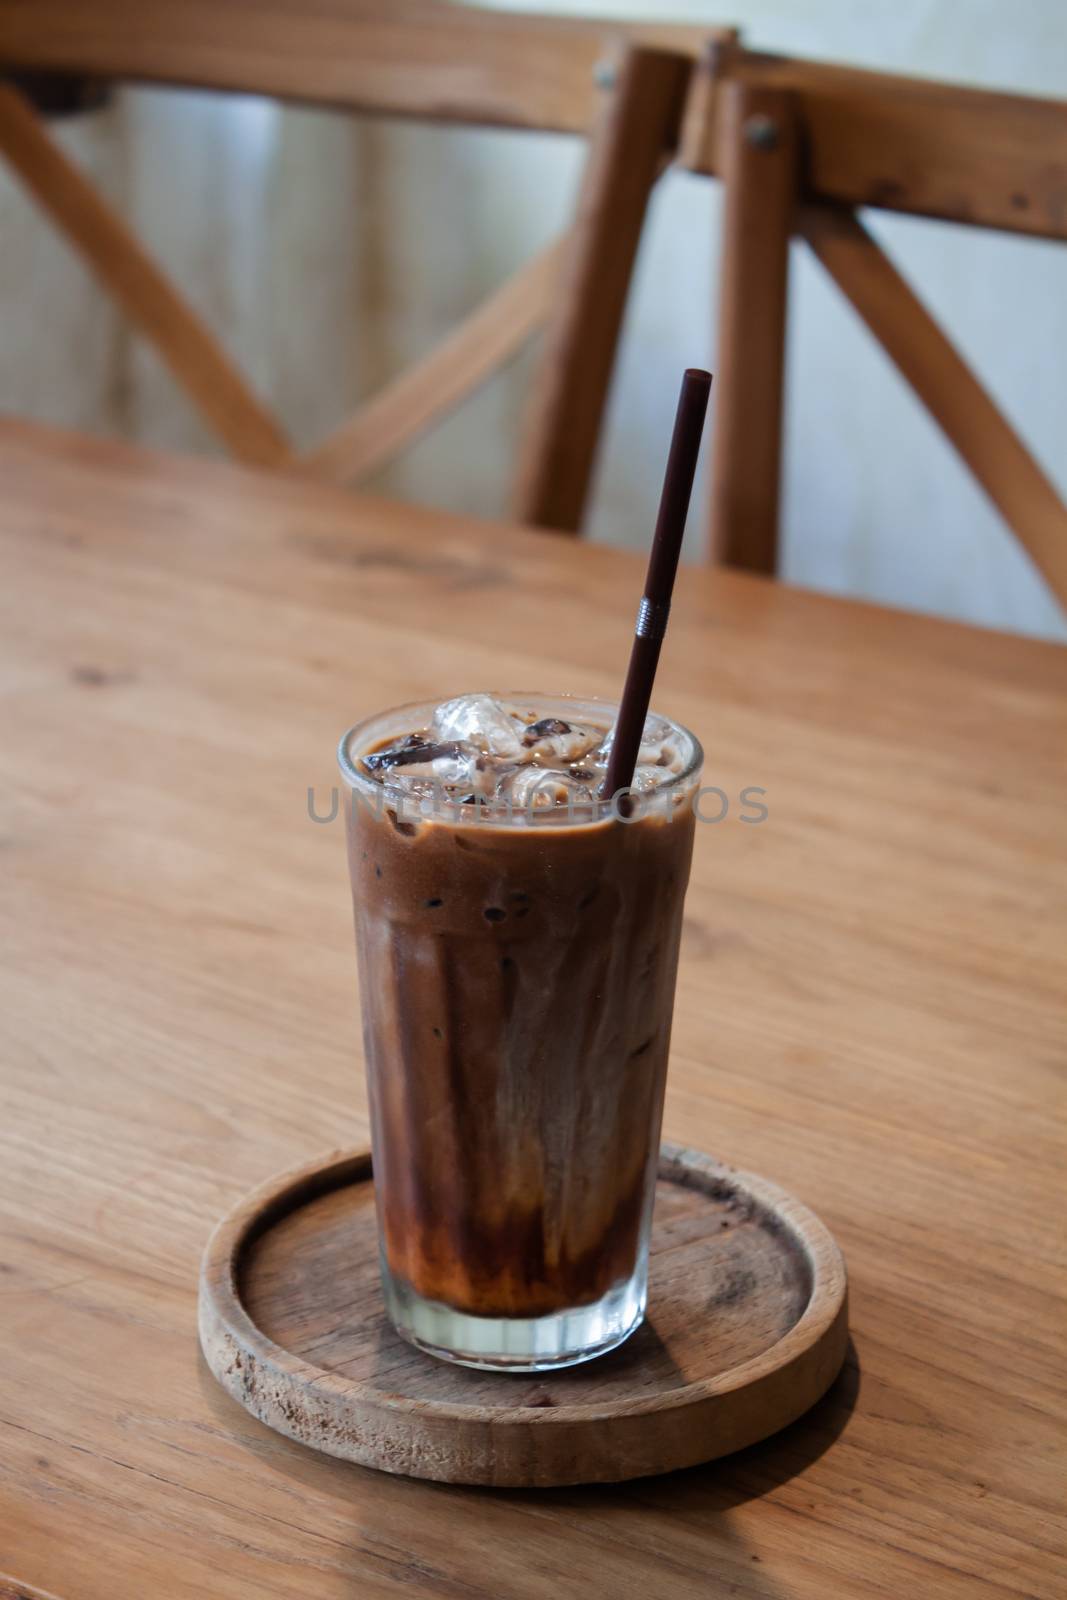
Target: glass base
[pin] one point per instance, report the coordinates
(516, 1344)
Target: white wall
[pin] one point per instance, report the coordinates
(328, 253)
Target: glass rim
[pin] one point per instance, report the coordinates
(362, 781)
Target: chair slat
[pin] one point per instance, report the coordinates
(637, 132)
(934, 149)
(427, 391)
(119, 261)
(759, 149)
(451, 62)
(946, 385)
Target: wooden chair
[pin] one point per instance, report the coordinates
(800, 145)
(625, 88)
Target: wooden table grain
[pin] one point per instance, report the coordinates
(870, 1011)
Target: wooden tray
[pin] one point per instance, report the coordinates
(747, 1327)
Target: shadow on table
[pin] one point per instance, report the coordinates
(679, 1522)
(733, 1480)
(749, 1474)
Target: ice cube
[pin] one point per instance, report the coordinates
(557, 742)
(414, 751)
(647, 777)
(480, 720)
(535, 789)
(657, 736)
(418, 761)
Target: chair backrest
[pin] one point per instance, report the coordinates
(800, 145)
(624, 87)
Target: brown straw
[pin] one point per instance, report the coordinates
(659, 580)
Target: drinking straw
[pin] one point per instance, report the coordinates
(655, 604)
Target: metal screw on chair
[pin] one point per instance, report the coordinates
(761, 132)
(605, 74)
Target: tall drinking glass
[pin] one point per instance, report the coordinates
(517, 977)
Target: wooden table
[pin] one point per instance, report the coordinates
(870, 1011)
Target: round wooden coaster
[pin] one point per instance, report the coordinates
(746, 1328)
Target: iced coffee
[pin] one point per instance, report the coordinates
(517, 935)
